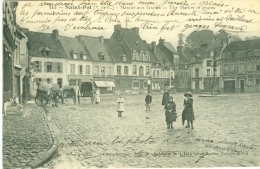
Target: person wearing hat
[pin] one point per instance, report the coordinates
(148, 101)
(165, 98)
(170, 112)
(188, 113)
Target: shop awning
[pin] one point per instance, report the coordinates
(105, 84)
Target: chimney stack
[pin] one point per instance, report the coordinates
(161, 41)
(135, 30)
(117, 28)
(154, 47)
(55, 34)
(101, 39)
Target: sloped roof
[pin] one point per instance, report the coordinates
(196, 54)
(38, 40)
(94, 46)
(242, 45)
(215, 46)
(170, 47)
(157, 55)
(72, 44)
(117, 50)
(131, 38)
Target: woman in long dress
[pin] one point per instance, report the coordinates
(188, 113)
(121, 105)
(97, 96)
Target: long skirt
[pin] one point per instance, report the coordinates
(170, 117)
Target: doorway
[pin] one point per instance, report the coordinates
(242, 86)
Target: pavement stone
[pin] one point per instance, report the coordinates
(24, 137)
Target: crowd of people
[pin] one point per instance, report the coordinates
(169, 107)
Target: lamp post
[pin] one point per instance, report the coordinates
(215, 65)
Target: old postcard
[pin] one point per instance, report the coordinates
(131, 84)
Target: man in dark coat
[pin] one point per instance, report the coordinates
(148, 101)
(165, 98)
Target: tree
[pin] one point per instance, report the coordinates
(251, 38)
(197, 38)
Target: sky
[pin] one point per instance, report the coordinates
(248, 10)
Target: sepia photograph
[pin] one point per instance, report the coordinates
(130, 84)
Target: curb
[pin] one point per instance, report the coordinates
(45, 156)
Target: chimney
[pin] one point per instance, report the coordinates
(154, 47)
(117, 28)
(101, 39)
(79, 38)
(135, 30)
(229, 40)
(161, 41)
(55, 34)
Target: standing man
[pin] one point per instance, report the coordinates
(148, 101)
(165, 98)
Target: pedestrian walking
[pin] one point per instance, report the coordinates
(170, 112)
(93, 95)
(121, 105)
(148, 101)
(188, 113)
(97, 96)
(165, 98)
(55, 99)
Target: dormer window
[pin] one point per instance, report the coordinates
(84, 57)
(233, 55)
(124, 58)
(101, 56)
(141, 55)
(147, 56)
(250, 52)
(74, 56)
(211, 54)
(45, 51)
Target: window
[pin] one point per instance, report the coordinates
(80, 69)
(84, 57)
(211, 54)
(59, 67)
(153, 73)
(186, 75)
(102, 69)
(197, 72)
(47, 53)
(225, 69)
(74, 56)
(145, 84)
(147, 70)
(72, 69)
(59, 81)
(38, 80)
(147, 56)
(250, 80)
(249, 66)
(125, 70)
(257, 81)
(118, 70)
(141, 71)
(141, 55)
(241, 69)
(135, 54)
(87, 69)
(124, 58)
(157, 74)
(208, 72)
(96, 71)
(209, 62)
(109, 71)
(136, 85)
(37, 66)
(233, 56)
(49, 80)
(164, 73)
(49, 66)
(250, 53)
(257, 67)
(232, 68)
(134, 69)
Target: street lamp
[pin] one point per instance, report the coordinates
(215, 65)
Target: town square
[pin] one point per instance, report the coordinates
(112, 84)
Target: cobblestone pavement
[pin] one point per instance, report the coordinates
(24, 137)
(226, 133)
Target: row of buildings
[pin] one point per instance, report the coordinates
(123, 63)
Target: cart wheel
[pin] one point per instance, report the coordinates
(41, 101)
